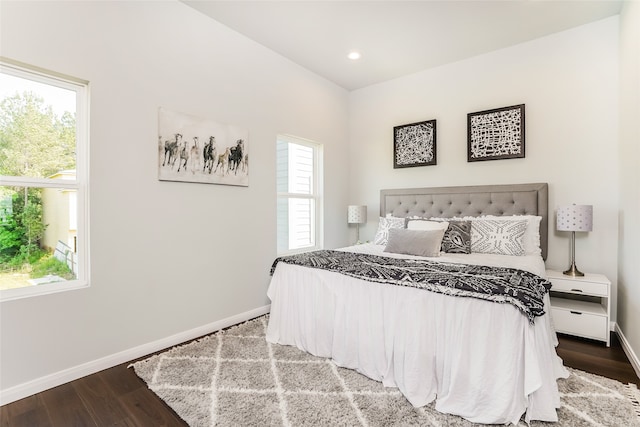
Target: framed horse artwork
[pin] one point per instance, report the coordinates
(193, 149)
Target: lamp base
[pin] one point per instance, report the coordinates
(573, 271)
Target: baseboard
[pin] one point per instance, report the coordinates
(38, 385)
(633, 357)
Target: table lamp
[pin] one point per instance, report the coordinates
(357, 214)
(574, 218)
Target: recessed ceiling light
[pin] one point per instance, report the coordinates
(354, 55)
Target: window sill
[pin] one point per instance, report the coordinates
(44, 289)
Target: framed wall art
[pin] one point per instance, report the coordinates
(193, 149)
(414, 144)
(496, 134)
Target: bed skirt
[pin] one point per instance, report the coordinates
(477, 359)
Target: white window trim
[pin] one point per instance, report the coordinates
(318, 196)
(80, 184)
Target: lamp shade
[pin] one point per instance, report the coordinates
(575, 218)
(357, 214)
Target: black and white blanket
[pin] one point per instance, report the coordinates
(520, 288)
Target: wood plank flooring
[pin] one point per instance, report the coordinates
(117, 397)
(595, 357)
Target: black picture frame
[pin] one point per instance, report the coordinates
(496, 134)
(414, 144)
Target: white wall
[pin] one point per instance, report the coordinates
(166, 257)
(569, 84)
(629, 270)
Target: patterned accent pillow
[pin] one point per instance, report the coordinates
(382, 235)
(502, 237)
(531, 239)
(457, 238)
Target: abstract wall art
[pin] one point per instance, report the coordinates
(414, 144)
(496, 134)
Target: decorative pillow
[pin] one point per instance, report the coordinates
(502, 237)
(531, 239)
(425, 224)
(457, 238)
(415, 242)
(384, 225)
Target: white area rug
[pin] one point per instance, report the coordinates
(236, 378)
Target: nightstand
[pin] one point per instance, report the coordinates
(581, 306)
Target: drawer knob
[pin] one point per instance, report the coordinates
(575, 312)
(576, 290)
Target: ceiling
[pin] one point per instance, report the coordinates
(395, 38)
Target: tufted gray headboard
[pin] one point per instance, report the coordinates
(475, 200)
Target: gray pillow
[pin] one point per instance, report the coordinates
(414, 242)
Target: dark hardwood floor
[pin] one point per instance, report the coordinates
(117, 397)
(595, 357)
(113, 397)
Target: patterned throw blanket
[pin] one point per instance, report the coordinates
(520, 288)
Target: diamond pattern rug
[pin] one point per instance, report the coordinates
(236, 378)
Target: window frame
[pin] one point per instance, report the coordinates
(80, 184)
(317, 221)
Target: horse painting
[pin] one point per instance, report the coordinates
(223, 162)
(195, 156)
(170, 149)
(245, 163)
(184, 157)
(196, 149)
(209, 154)
(235, 156)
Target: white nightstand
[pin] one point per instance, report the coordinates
(585, 316)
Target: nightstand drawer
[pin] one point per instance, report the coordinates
(579, 287)
(578, 323)
(586, 315)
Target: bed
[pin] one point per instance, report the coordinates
(485, 361)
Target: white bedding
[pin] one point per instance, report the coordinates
(478, 359)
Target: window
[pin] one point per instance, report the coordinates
(299, 166)
(43, 181)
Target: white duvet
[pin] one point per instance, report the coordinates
(477, 359)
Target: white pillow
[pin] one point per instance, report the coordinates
(384, 225)
(498, 236)
(531, 238)
(415, 242)
(426, 225)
